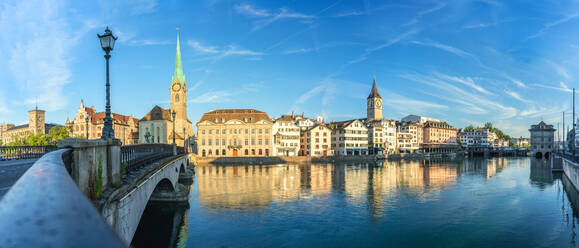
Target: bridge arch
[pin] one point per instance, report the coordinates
(539, 155)
(124, 210)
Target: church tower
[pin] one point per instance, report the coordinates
(374, 101)
(36, 121)
(178, 88)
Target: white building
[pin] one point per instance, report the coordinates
(349, 138)
(304, 123)
(286, 137)
(477, 137)
(406, 142)
(418, 119)
(390, 136)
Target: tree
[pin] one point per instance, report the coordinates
(55, 134)
(511, 144)
(458, 141)
(469, 128)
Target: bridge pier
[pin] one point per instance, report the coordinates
(96, 164)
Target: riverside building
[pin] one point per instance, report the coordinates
(88, 121)
(439, 133)
(349, 138)
(478, 137)
(36, 124)
(316, 141)
(286, 136)
(234, 132)
(542, 138)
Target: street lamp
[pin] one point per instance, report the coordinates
(184, 139)
(86, 120)
(174, 146)
(107, 44)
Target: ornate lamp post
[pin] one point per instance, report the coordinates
(86, 120)
(174, 145)
(107, 44)
(184, 139)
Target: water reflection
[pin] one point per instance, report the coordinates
(363, 204)
(162, 225)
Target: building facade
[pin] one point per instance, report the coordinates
(349, 138)
(234, 133)
(88, 122)
(161, 121)
(286, 136)
(479, 137)
(415, 129)
(316, 141)
(418, 119)
(439, 133)
(542, 139)
(520, 142)
(406, 142)
(36, 124)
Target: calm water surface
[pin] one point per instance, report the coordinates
(497, 202)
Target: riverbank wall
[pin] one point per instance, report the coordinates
(570, 169)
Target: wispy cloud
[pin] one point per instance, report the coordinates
(517, 82)
(386, 44)
(148, 42)
(549, 25)
(450, 49)
(217, 53)
(295, 51)
(559, 69)
(422, 13)
(465, 81)
(516, 95)
(266, 17)
(406, 104)
(472, 103)
(562, 87)
(225, 96)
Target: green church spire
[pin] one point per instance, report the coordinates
(178, 74)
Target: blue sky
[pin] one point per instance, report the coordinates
(467, 62)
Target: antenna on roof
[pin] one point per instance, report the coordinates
(37, 103)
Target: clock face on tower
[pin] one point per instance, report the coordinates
(378, 103)
(176, 87)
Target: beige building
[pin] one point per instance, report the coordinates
(157, 125)
(316, 141)
(477, 137)
(439, 132)
(415, 129)
(36, 124)
(234, 132)
(125, 127)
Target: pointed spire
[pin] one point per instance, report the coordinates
(374, 91)
(178, 74)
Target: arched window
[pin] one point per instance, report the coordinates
(223, 152)
(210, 154)
(203, 153)
(246, 152)
(252, 151)
(260, 152)
(266, 152)
(177, 98)
(216, 152)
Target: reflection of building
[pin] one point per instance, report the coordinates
(36, 124)
(286, 137)
(125, 127)
(542, 138)
(234, 132)
(349, 138)
(159, 121)
(316, 141)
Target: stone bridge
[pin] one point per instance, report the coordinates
(112, 187)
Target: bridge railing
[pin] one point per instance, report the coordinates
(48, 204)
(135, 156)
(24, 152)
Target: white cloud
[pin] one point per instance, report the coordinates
(562, 87)
(420, 14)
(386, 44)
(39, 45)
(201, 48)
(559, 69)
(266, 17)
(217, 54)
(450, 49)
(148, 42)
(465, 81)
(515, 95)
(549, 25)
(296, 51)
(517, 82)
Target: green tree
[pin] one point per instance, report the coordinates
(458, 141)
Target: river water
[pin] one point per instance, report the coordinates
(492, 202)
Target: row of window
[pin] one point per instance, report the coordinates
(234, 142)
(236, 131)
(224, 152)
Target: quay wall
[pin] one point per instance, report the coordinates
(571, 171)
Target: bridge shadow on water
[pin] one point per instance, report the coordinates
(162, 225)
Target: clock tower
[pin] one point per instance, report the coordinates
(178, 88)
(374, 104)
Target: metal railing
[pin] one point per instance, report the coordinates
(24, 152)
(47, 203)
(135, 156)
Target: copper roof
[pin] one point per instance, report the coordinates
(244, 115)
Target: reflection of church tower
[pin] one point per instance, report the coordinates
(374, 110)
